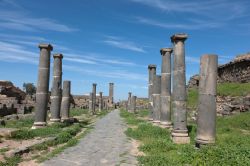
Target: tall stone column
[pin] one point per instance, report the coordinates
(111, 93)
(90, 102)
(129, 101)
(206, 119)
(56, 91)
(133, 104)
(100, 101)
(166, 86)
(94, 97)
(156, 98)
(65, 105)
(179, 132)
(151, 74)
(42, 86)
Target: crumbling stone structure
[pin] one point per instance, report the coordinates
(151, 75)
(65, 105)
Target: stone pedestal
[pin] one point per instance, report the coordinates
(156, 99)
(179, 132)
(65, 105)
(100, 101)
(56, 91)
(42, 86)
(151, 75)
(206, 119)
(166, 87)
(93, 98)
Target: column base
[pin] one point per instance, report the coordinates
(179, 137)
(199, 142)
(65, 119)
(150, 119)
(156, 121)
(38, 125)
(166, 124)
(54, 120)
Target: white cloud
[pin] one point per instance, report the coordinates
(123, 44)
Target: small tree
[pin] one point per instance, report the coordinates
(29, 88)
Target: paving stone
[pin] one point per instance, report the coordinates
(106, 145)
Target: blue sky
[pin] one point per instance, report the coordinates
(115, 40)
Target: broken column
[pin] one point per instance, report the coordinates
(151, 74)
(179, 132)
(56, 91)
(206, 118)
(90, 102)
(129, 101)
(93, 97)
(133, 104)
(156, 98)
(65, 105)
(166, 86)
(111, 94)
(100, 101)
(42, 86)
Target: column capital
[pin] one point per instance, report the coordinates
(151, 66)
(179, 37)
(111, 83)
(164, 50)
(46, 46)
(94, 84)
(58, 55)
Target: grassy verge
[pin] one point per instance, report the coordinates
(232, 143)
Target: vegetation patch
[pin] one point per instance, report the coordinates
(232, 143)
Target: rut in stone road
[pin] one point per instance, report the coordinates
(105, 145)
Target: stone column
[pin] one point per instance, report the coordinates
(206, 119)
(100, 101)
(94, 97)
(156, 98)
(129, 101)
(179, 132)
(65, 105)
(42, 86)
(111, 93)
(56, 91)
(90, 102)
(133, 104)
(166, 87)
(151, 74)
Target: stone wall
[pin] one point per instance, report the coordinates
(82, 101)
(237, 70)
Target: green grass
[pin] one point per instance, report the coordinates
(78, 112)
(232, 143)
(23, 123)
(12, 161)
(224, 89)
(233, 89)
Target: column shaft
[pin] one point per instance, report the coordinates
(56, 91)
(100, 102)
(42, 86)
(133, 104)
(94, 98)
(166, 87)
(65, 105)
(151, 75)
(156, 98)
(206, 119)
(129, 101)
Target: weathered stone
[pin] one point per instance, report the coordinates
(90, 102)
(7, 132)
(111, 94)
(56, 91)
(179, 91)
(42, 85)
(166, 86)
(65, 104)
(151, 75)
(133, 104)
(93, 98)
(129, 101)
(156, 98)
(100, 101)
(206, 118)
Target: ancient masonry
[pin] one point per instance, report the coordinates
(237, 70)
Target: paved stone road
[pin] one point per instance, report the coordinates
(105, 145)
